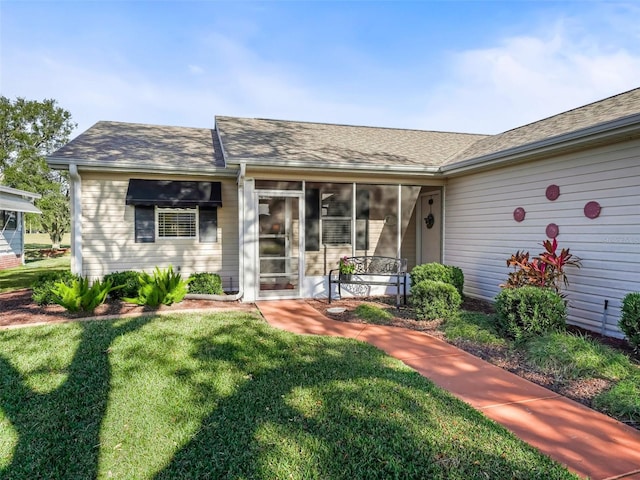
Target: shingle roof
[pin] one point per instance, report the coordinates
(288, 143)
(282, 142)
(118, 144)
(591, 115)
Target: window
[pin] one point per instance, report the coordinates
(336, 217)
(201, 223)
(176, 223)
(8, 220)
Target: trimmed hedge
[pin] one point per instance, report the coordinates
(630, 319)
(527, 311)
(130, 281)
(42, 288)
(438, 273)
(205, 283)
(433, 299)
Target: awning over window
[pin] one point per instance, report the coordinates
(167, 193)
(16, 204)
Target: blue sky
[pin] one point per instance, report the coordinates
(481, 67)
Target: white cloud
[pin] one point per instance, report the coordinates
(525, 79)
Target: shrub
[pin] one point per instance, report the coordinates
(527, 311)
(630, 319)
(164, 287)
(128, 280)
(79, 296)
(546, 270)
(207, 283)
(433, 299)
(438, 273)
(42, 293)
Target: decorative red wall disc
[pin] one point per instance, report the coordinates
(553, 192)
(552, 230)
(518, 214)
(592, 210)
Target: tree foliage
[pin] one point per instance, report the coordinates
(29, 131)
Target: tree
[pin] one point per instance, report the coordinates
(29, 131)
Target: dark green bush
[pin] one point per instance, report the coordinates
(630, 319)
(43, 285)
(527, 311)
(433, 299)
(206, 283)
(128, 279)
(438, 273)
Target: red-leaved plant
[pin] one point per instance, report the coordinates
(545, 270)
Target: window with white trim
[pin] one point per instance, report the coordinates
(8, 220)
(177, 223)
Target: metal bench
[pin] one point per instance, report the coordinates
(372, 270)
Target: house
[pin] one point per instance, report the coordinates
(272, 205)
(14, 204)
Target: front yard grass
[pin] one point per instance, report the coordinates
(226, 396)
(570, 360)
(23, 277)
(567, 357)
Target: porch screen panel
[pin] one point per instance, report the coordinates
(362, 219)
(312, 220)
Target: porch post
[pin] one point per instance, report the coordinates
(399, 223)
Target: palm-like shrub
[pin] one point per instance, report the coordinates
(163, 287)
(80, 295)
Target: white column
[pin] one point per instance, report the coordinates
(76, 219)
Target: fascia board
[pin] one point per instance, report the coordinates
(625, 128)
(87, 166)
(266, 165)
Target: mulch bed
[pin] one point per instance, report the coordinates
(17, 308)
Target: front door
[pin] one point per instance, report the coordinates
(279, 244)
(430, 222)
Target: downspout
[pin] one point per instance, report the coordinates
(76, 222)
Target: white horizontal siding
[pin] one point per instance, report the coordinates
(480, 232)
(108, 242)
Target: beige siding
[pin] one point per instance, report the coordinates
(109, 242)
(480, 232)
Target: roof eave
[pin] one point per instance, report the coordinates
(605, 133)
(253, 163)
(58, 163)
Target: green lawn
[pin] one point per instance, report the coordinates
(226, 396)
(23, 276)
(42, 240)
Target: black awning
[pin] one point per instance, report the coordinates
(167, 193)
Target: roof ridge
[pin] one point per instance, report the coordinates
(373, 127)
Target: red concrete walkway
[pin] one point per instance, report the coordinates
(587, 442)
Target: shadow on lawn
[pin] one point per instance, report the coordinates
(313, 410)
(59, 431)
